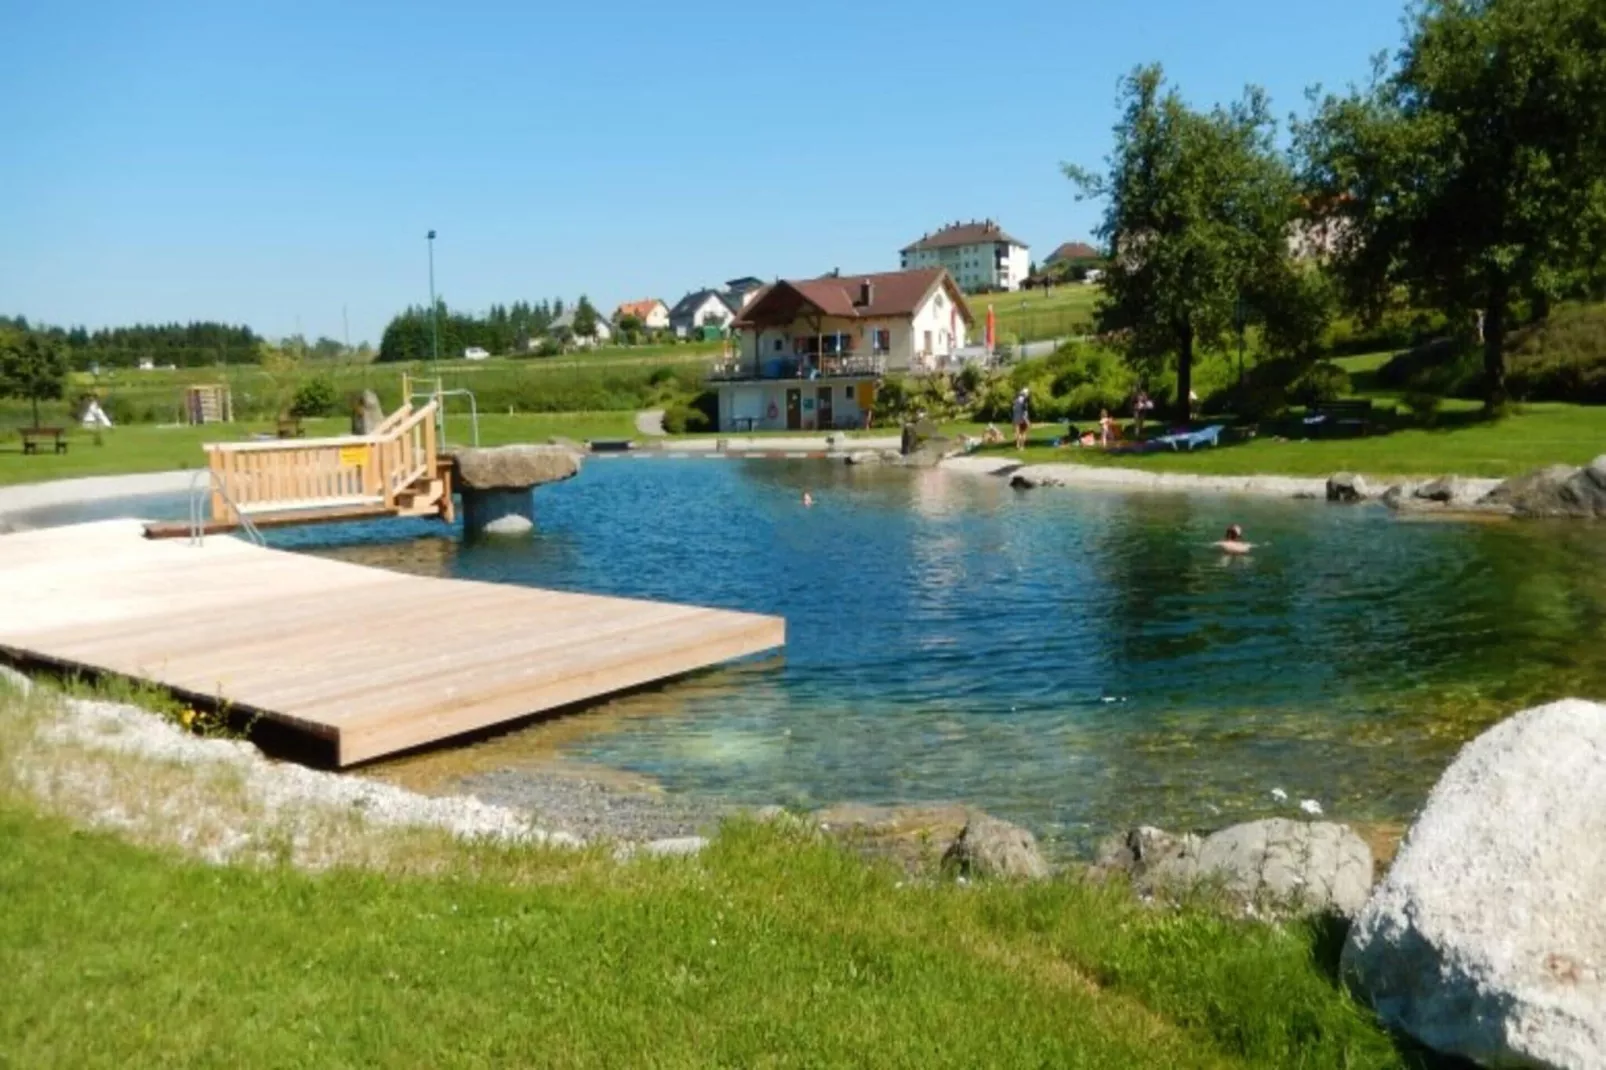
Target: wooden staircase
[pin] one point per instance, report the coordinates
(395, 471)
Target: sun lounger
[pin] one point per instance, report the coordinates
(1207, 436)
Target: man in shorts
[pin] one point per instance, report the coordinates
(1022, 417)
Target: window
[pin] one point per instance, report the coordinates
(881, 341)
(777, 346)
(847, 393)
(939, 301)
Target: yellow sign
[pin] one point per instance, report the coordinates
(353, 456)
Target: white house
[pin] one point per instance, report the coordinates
(565, 322)
(980, 256)
(653, 313)
(810, 351)
(701, 308)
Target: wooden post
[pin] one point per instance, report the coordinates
(220, 506)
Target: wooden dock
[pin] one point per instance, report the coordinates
(372, 661)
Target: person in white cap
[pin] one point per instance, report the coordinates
(1022, 417)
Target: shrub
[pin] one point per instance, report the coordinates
(1447, 367)
(681, 417)
(1422, 405)
(1562, 358)
(315, 397)
(1322, 381)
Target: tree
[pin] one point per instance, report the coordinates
(1197, 216)
(1473, 174)
(585, 319)
(33, 367)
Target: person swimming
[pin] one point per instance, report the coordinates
(1234, 542)
(808, 499)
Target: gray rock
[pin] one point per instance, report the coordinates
(1144, 848)
(513, 467)
(1347, 487)
(1487, 938)
(988, 847)
(864, 457)
(1396, 495)
(1316, 866)
(1557, 491)
(366, 415)
(1450, 490)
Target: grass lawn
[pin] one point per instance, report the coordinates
(1030, 315)
(1462, 443)
(152, 448)
(770, 950)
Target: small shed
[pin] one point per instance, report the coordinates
(209, 403)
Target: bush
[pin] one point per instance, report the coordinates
(315, 397)
(1422, 405)
(681, 417)
(1322, 381)
(1447, 367)
(1562, 358)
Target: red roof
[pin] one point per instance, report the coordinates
(892, 293)
(954, 234)
(1074, 250)
(639, 309)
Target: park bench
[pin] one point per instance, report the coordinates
(1354, 414)
(290, 427)
(32, 437)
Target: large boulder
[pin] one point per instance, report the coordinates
(988, 847)
(1033, 476)
(1487, 939)
(1275, 864)
(1557, 491)
(513, 467)
(924, 446)
(366, 414)
(1347, 487)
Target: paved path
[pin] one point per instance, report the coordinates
(650, 423)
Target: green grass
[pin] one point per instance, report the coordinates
(1462, 443)
(768, 951)
(1031, 315)
(152, 448)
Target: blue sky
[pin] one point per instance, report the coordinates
(273, 163)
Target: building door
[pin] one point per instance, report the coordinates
(822, 409)
(794, 409)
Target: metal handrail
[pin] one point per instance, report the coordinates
(198, 509)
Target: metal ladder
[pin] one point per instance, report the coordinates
(200, 499)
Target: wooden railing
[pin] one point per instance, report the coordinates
(324, 473)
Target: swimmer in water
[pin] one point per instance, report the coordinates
(1234, 542)
(808, 499)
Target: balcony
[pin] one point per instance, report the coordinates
(804, 366)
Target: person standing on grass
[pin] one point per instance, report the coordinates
(1021, 414)
(1140, 406)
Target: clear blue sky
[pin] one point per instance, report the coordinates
(271, 163)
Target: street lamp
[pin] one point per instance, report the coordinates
(434, 326)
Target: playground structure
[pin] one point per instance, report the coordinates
(208, 403)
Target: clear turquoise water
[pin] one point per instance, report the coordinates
(1078, 661)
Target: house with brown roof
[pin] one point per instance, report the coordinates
(653, 313)
(1072, 252)
(979, 256)
(809, 351)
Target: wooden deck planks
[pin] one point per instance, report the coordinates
(374, 660)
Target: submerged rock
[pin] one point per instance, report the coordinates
(1032, 477)
(1347, 487)
(1487, 938)
(988, 847)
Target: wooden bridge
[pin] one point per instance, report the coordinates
(394, 471)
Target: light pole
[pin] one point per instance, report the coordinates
(434, 325)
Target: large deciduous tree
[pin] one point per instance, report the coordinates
(1197, 216)
(32, 367)
(1471, 174)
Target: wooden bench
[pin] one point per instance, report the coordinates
(1354, 414)
(32, 437)
(290, 427)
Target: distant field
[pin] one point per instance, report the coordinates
(1032, 315)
